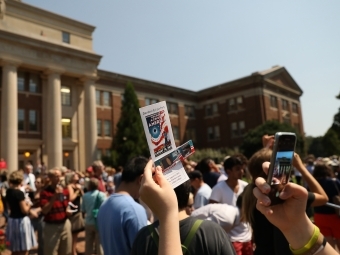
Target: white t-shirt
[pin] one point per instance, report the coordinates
(228, 217)
(222, 193)
(202, 196)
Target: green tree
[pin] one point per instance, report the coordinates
(129, 140)
(252, 141)
(331, 143)
(315, 146)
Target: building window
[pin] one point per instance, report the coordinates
(98, 97)
(99, 128)
(232, 105)
(65, 95)
(149, 101)
(213, 133)
(107, 127)
(99, 154)
(66, 37)
(239, 101)
(295, 108)
(190, 134)
(108, 153)
(234, 131)
(21, 81)
(33, 120)
(34, 83)
(284, 105)
(106, 98)
(175, 132)
(172, 108)
(21, 119)
(242, 127)
(66, 128)
(189, 111)
(273, 101)
(215, 108)
(208, 110)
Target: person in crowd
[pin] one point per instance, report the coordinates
(4, 186)
(209, 171)
(117, 178)
(229, 218)
(92, 200)
(110, 186)
(190, 206)
(77, 220)
(65, 175)
(118, 233)
(268, 239)
(203, 191)
(19, 230)
(325, 217)
(227, 191)
(38, 221)
(98, 169)
(29, 181)
(290, 218)
(54, 201)
(209, 238)
(160, 197)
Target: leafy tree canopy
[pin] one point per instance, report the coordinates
(331, 143)
(252, 141)
(129, 140)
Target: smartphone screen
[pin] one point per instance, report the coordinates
(281, 164)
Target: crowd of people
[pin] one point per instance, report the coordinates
(222, 209)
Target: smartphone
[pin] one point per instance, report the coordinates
(281, 164)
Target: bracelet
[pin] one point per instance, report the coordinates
(309, 244)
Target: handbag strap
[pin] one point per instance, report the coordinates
(96, 202)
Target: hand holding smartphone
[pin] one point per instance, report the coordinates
(280, 164)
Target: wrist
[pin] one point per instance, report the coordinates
(168, 216)
(299, 234)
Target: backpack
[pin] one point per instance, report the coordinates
(187, 240)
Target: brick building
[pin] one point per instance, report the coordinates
(57, 107)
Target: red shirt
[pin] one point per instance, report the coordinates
(101, 184)
(57, 214)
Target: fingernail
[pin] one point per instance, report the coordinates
(266, 201)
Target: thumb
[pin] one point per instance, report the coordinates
(159, 177)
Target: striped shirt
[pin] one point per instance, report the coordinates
(57, 214)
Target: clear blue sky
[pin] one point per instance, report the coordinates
(196, 44)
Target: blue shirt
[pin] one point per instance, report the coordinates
(89, 200)
(119, 220)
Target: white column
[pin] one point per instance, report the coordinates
(9, 116)
(90, 121)
(54, 143)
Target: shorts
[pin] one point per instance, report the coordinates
(329, 224)
(243, 248)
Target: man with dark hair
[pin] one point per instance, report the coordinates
(120, 217)
(209, 170)
(203, 191)
(208, 239)
(227, 191)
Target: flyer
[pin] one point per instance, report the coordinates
(181, 153)
(157, 128)
(176, 175)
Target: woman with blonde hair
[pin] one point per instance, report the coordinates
(19, 231)
(268, 239)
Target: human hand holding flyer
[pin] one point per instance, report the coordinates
(158, 132)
